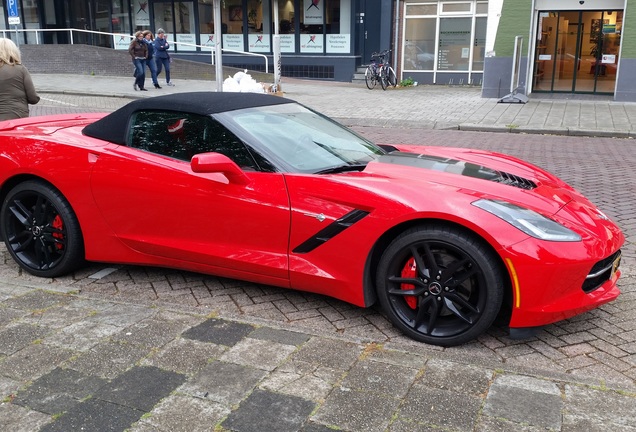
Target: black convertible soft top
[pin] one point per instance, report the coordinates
(114, 126)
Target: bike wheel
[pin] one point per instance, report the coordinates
(369, 78)
(384, 79)
(391, 77)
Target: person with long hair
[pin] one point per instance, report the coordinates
(138, 51)
(16, 86)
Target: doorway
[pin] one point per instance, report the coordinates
(577, 51)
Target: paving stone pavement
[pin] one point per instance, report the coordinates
(70, 362)
(117, 347)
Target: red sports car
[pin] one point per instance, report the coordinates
(261, 188)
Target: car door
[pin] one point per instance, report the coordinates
(157, 205)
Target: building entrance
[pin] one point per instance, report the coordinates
(577, 51)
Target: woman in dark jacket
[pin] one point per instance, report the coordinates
(150, 61)
(138, 50)
(16, 87)
(161, 54)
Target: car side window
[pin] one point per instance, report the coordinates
(182, 135)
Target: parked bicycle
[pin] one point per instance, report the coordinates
(380, 70)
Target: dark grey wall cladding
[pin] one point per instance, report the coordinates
(497, 74)
(625, 88)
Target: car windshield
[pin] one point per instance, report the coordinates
(298, 139)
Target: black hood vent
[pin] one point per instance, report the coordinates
(516, 181)
(458, 167)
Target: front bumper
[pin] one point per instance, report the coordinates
(553, 280)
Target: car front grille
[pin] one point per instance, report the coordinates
(601, 272)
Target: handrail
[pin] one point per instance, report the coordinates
(71, 30)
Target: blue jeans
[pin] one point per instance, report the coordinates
(153, 70)
(140, 69)
(165, 62)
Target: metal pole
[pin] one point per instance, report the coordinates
(532, 42)
(276, 48)
(396, 39)
(217, 46)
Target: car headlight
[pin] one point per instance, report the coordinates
(528, 221)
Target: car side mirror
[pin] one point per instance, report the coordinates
(218, 163)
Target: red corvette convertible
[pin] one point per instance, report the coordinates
(261, 188)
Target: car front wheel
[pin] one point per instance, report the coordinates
(440, 285)
(41, 230)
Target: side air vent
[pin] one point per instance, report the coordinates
(330, 231)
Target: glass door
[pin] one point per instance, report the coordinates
(577, 51)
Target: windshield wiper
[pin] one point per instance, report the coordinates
(342, 168)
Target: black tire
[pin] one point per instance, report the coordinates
(440, 285)
(370, 78)
(41, 230)
(391, 77)
(383, 78)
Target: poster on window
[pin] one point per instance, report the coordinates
(311, 43)
(121, 42)
(142, 15)
(233, 42)
(259, 42)
(186, 42)
(338, 43)
(313, 12)
(287, 43)
(207, 40)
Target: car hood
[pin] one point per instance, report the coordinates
(478, 173)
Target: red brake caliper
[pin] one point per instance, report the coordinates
(58, 224)
(410, 271)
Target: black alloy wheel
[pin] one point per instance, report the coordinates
(440, 285)
(41, 230)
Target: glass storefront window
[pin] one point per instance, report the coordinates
(206, 23)
(418, 9)
(232, 17)
(338, 26)
(177, 20)
(185, 26)
(30, 20)
(419, 44)
(258, 27)
(450, 39)
(455, 7)
(120, 16)
(3, 26)
(311, 27)
(479, 47)
(286, 26)
(454, 44)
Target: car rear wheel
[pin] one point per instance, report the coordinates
(440, 285)
(41, 230)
